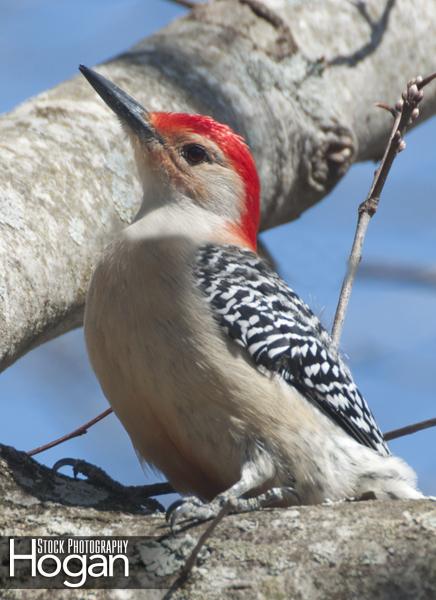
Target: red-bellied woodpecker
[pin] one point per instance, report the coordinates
(224, 379)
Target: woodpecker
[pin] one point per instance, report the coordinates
(223, 377)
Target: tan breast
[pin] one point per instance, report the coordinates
(158, 355)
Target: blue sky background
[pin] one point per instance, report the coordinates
(390, 331)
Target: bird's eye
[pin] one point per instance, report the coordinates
(194, 154)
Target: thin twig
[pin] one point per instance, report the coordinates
(192, 558)
(185, 3)
(402, 431)
(408, 274)
(69, 436)
(386, 107)
(406, 111)
(190, 562)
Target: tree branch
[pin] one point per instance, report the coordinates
(390, 435)
(365, 550)
(69, 436)
(409, 429)
(67, 176)
(405, 113)
(409, 274)
(185, 3)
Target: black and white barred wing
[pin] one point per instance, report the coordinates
(262, 314)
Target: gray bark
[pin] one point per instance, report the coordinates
(299, 83)
(365, 550)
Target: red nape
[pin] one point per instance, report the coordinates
(236, 150)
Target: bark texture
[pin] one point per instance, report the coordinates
(364, 550)
(297, 78)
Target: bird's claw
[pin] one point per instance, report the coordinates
(79, 466)
(191, 510)
(91, 472)
(138, 497)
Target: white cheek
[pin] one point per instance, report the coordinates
(224, 192)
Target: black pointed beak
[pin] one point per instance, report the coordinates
(130, 112)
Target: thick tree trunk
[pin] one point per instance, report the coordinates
(366, 550)
(298, 80)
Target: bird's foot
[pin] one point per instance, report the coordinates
(136, 497)
(276, 497)
(93, 474)
(369, 495)
(191, 510)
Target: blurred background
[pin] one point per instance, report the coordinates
(390, 331)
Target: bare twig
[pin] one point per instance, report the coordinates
(402, 431)
(386, 107)
(191, 560)
(400, 273)
(185, 3)
(203, 539)
(69, 436)
(406, 111)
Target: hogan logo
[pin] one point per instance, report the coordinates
(73, 559)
